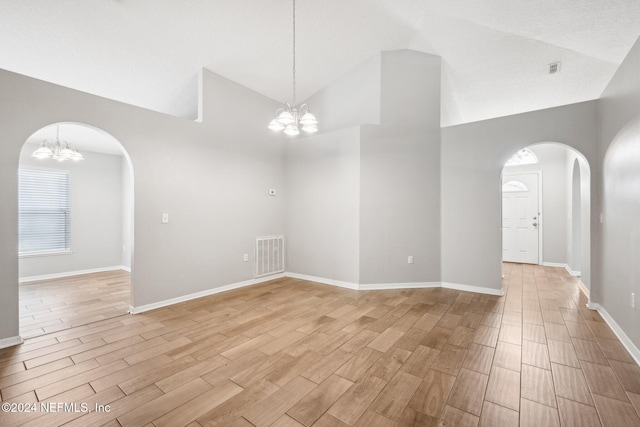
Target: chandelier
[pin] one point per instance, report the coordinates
(59, 151)
(290, 118)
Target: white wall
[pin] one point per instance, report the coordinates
(351, 100)
(579, 209)
(322, 196)
(619, 154)
(211, 177)
(127, 213)
(96, 214)
(400, 174)
(473, 156)
(387, 199)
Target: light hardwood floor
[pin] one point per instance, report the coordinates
(295, 353)
(57, 304)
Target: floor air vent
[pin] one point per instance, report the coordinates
(269, 255)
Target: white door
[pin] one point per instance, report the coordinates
(520, 217)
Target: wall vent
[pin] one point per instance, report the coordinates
(554, 67)
(269, 255)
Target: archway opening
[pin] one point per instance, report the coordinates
(546, 203)
(75, 221)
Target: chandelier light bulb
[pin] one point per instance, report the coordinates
(59, 151)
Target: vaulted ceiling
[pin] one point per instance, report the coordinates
(495, 53)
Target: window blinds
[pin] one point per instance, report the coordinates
(44, 209)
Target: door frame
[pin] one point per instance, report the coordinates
(540, 217)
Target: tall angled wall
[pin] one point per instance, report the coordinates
(374, 171)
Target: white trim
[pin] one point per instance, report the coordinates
(584, 289)
(562, 265)
(592, 305)
(164, 303)
(127, 269)
(476, 289)
(348, 285)
(332, 282)
(410, 285)
(71, 273)
(45, 253)
(11, 341)
(573, 273)
(624, 339)
(555, 264)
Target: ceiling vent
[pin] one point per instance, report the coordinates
(554, 67)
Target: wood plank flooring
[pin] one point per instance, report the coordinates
(57, 304)
(296, 353)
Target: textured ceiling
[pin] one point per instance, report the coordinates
(148, 53)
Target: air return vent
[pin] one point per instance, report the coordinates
(269, 255)
(554, 67)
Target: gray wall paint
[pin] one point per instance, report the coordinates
(96, 214)
(472, 158)
(351, 100)
(127, 213)
(211, 177)
(322, 205)
(574, 230)
(400, 174)
(392, 176)
(619, 152)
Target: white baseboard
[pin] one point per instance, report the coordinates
(562, 265)
(584, 289)
(348, 285)
(323, 280)
(410, 285)
(27, 279)
(554, 264)
(11, 341)
(624, 339)
(164, 303)
(476, 289)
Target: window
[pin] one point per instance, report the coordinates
(44, 212)
(513, 186)
(522, 157)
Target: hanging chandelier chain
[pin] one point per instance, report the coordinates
(294, 53)
(291, 118)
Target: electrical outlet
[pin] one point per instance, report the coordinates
(410, 259)
(245, 258)
(165, 218)
(633, 300)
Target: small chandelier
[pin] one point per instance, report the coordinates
(291, 119)
(59, 151)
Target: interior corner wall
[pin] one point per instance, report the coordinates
(96, 214)
(400, 175)
(322, 205)
(212, 178)
(472, 159)
(619, 154)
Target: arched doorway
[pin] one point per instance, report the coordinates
(75, 228)
(546, 199)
